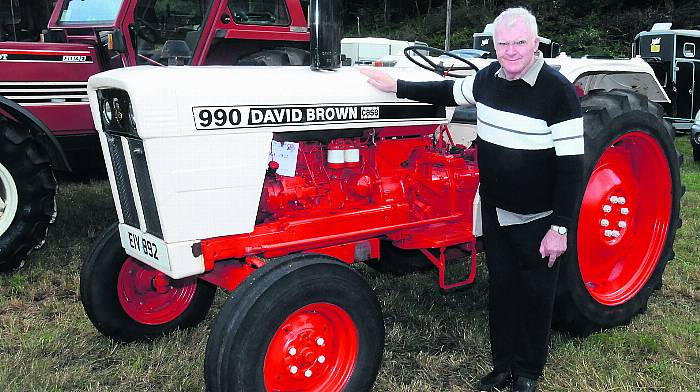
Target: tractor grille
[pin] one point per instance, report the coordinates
(45, 93)
(141, 180)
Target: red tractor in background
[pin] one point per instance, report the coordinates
(45, 122)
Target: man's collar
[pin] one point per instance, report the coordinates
(530, 76)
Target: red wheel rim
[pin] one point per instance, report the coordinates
(151, 297)
(315, 349)
(624, 218)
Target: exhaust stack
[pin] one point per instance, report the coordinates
(324, 20)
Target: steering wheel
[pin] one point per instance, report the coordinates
(416, 51)
(147, 30)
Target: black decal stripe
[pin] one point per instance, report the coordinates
(145, 188)
(121, 177)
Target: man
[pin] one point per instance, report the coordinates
(530, 141)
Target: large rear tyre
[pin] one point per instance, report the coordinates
(628, 214)
(300, 323)
(27, 194)
(127, 300)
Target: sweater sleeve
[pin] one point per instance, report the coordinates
(567, 132)
(436, 93)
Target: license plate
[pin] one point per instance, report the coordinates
(145, 247)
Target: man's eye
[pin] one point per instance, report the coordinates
(521, 43)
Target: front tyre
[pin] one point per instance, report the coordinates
(628, 214)
(27, 194)
(127, 300)
(300, 323)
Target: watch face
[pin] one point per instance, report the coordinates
(561, 230)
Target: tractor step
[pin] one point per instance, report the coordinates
(452, 256)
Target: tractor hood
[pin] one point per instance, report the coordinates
(189, 101)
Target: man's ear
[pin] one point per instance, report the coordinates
(537, 44)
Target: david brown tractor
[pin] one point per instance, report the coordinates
(45, 122)
(271, 182)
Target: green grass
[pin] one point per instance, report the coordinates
(434, 342)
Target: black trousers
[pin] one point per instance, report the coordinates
(521, 294)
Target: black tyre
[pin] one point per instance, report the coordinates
(628, 215)
(301, 323)
(27, 194)
(397, 261)
(696, 147)
(129, 301)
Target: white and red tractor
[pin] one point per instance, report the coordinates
(270, 182)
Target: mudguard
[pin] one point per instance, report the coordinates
(38, 128)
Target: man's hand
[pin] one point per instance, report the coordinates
(553, 245)
(380, 79)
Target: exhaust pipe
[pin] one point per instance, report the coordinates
(326, 27)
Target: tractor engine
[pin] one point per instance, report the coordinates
(355, 173)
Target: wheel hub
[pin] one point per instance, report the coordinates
(9, 199)
(315, 349)
(151, 297)
(624, 218)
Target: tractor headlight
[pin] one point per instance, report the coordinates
(116, 112)
(106, 109)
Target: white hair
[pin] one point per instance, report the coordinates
(511, 15)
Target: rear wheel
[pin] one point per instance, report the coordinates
(300, 323)
(628, 215)
(127, 300)
(695, 143)
(27, 194)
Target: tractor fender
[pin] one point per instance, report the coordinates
(39, 130)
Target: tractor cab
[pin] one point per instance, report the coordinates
(134, 32)
(675, 57)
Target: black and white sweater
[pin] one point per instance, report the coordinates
(530, 137)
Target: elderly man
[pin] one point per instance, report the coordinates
(530, 141)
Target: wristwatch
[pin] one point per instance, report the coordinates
(558, 229)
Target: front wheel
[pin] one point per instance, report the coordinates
(27, 194)
(300, 323)
(628, 214)
(127, 300)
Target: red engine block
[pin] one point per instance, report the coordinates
(409, 189)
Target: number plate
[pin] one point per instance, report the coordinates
(145, 247)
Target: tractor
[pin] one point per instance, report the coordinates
(45, 121)
(272, 182)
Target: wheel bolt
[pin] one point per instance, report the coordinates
(607, 233)
(321, 359)
(622, 224)
(320, 341)
(604, 222)
(607, 208)
(621, 200)
(293, 369)
(624, 211)
(292, 351)
(308, 373)
(614, 199)
(615, 233)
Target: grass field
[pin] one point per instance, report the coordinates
(434, 342)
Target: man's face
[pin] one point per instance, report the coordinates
(515, 47)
